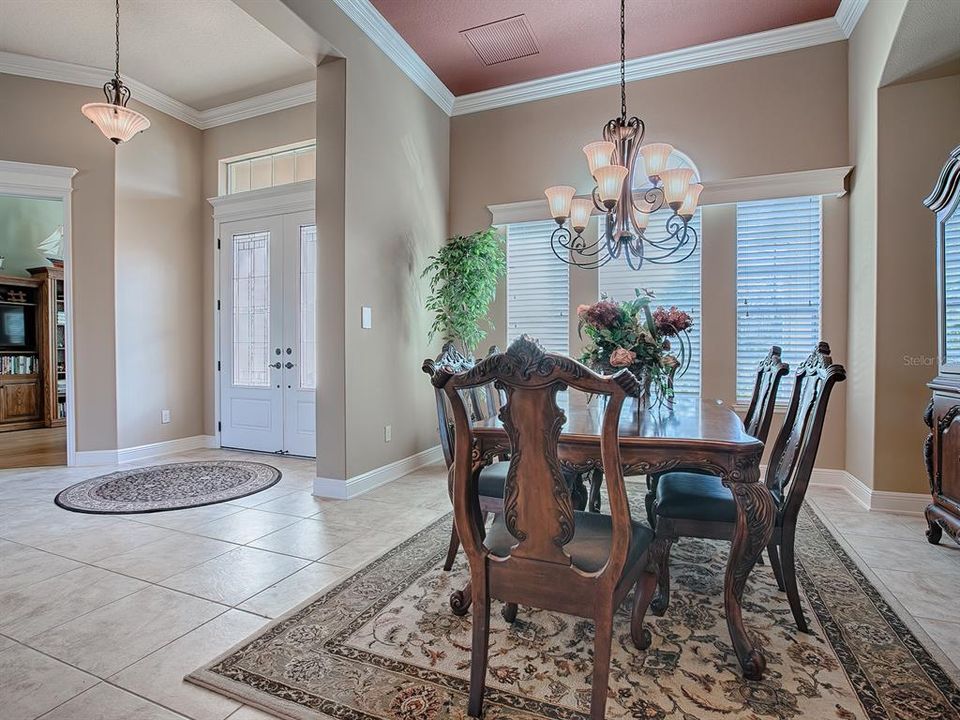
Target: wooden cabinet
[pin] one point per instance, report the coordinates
(942, 448)
(20, 400)
(21, 367)
(52, 344)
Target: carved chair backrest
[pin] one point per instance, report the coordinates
(795, 450)
(763, 403)
(538, 511)
(452, 359)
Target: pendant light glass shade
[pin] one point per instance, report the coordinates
(655, 157)
(690, 200)
(580, 210)
(116, 122)
(559, 198)
(598, 154)
(675, 184)
(609, 183)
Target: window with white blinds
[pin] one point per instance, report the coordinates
(538, 287)
(677, 284)
(778, 285)
(951, 289)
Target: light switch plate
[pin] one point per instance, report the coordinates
(387, 433)
(366, 317)
(164, 416)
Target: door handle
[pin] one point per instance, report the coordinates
(288, 365)
(276, 365)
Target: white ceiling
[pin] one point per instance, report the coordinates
(204, 53)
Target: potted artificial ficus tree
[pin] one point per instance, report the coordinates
(463, 282)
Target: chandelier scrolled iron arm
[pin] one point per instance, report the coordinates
(613, 163)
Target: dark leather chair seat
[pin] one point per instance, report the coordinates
(492, 479)
(590, 546)
(696, 496)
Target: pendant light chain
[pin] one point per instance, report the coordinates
(623, 61)
(118, 41)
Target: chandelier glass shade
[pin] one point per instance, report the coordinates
(624, 212)
(114, 119)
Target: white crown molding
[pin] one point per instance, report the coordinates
(260, 105)
(848, 15)
(43, 69)
(375, 26)
(829, 181)
(366, 17)
(768, 42)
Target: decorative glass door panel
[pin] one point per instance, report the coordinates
(251, 309)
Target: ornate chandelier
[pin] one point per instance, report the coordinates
(115, 120)
(625, 214)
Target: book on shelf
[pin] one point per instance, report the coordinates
(61, 387)
(19, 364)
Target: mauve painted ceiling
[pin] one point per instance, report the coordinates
(578, 34)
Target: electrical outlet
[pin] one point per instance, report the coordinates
(164, 416)
(387, 432)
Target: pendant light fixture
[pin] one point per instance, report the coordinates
(115, 120)
(624, 212)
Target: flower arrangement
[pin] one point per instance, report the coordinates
(652, 343)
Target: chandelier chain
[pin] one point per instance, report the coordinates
(623, 61)
(117, 58)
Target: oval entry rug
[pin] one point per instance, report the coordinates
(168, 487)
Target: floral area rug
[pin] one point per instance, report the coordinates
(168, 487)
(383, 645)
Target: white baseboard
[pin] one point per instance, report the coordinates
(140, 452)
(873, 500)
(359, 484)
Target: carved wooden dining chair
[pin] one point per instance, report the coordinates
(697, 505)
(541, 552)
(491, 477)
(763, 403)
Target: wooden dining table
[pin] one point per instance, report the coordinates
(691, 433)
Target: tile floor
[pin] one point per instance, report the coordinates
(102, 615)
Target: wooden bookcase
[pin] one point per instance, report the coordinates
(52, 344)
(21, 365)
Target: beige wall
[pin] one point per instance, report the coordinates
(397, 156)
(918, 126)
(159, 283)
(283, 127)
(776, 114)
(40, 122)
(868, 49)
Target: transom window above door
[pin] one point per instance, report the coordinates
(268, 168)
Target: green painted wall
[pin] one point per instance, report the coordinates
(24, 224)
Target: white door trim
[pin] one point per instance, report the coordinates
(52, 181)
(280, 200)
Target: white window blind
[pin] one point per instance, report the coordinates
(778, 285)
(677, 284)
(538, 287)
(951, 288)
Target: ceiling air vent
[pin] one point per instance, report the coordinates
(502, 40)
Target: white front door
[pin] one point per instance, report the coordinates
(268, 348)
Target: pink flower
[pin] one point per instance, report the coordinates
(621, 358)
(603, 314)
(671, 322)
(582, 310)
